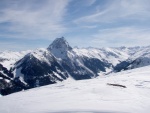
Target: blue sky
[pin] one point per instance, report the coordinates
(30, 24)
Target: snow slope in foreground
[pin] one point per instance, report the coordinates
(86, 96)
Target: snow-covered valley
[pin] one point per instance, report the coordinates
(86, 96)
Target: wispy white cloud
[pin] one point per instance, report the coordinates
(90, 2)
(89, 26)
(105, 22)
(122, 36)
(12, 46)
(34, 19)
(118, 23)
(118, 9)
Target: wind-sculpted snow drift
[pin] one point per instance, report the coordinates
(60, 61)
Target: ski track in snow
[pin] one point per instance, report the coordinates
(86, 96)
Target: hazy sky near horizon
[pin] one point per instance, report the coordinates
(30, 24)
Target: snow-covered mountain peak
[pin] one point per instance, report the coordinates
(60, 43)
(60, 61)
(60, 47)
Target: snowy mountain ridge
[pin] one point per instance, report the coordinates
(8, 58)
(60, 61)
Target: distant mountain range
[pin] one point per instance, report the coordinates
(34, 68)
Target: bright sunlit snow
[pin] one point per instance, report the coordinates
(86, 96)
